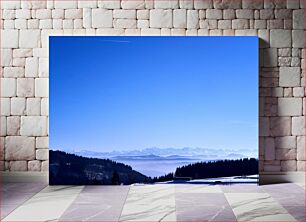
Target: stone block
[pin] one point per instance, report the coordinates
(166, 4)
(31, 67)
(87, 4)
(240, 24)
(20, 23)
(44, 107)
(109, 4)
(283, 13)
(45, 24)
(280, 38)
(9, 38)
(280, 126)
(42, 154)
(102, 18)
(298, 126)
(6, 57)
(10, 4)
(43, 13)
(29, 38)
(264, 38)
(289, 76)
(87, 18)
(143, 14)
(3, 132)
(33, 106)
(19, 148)
(125, 23)
(227, 4)
(34, 126)
(214, 14)
(132, 4)
(18, 106)
(298, 92)
(34, 165)
(298, 38)
(23, 14)
(43, 67)
(270, 57)
(45, 165)
(252, 4)
(5, 106)
(8, 14)
(22, 53)
(65, 4)
(192, 19)
(150, 32)
(245, 14)
(13, 72)
(25, 87)
(299, 19)
(224, 24)
(33, 4)
(42, 142)
(8, 87)
(142, 23)
(301, 166)
(110, 32)
(20, 63)
(288, 165)
(264, 126)
(203, 4)
(301, 148)
(18, 166)
(132, 32)
(160, 18)
(269, 149)
(73, 13)
(229, 14)
(41, 87)
(285, 142)
(289, 106)
(178, 32)
(293, 4)
(271, 168)
(186, 4)
(260, 24)
(246, 32)
(191, 32)
(285, 154)
(58, 13)
(179, 18)
(13, 125)
(124, 14)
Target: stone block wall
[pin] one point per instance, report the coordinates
(26, 25)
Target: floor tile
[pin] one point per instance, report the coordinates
(149, 203)
(97, 203)
(242, 189)
(22, 187)
(257, 207)
(47, 205)
(15, 194)
(182, 188)
(298, 212)
(203, 207)
(283, 188)
(292, 199)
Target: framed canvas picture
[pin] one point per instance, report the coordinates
(151, 110)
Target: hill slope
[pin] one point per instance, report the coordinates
(70, 169)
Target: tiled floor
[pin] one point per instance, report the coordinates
(39, 202)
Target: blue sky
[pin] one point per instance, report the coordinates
(126, 93)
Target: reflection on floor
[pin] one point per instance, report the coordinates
(39, 202)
